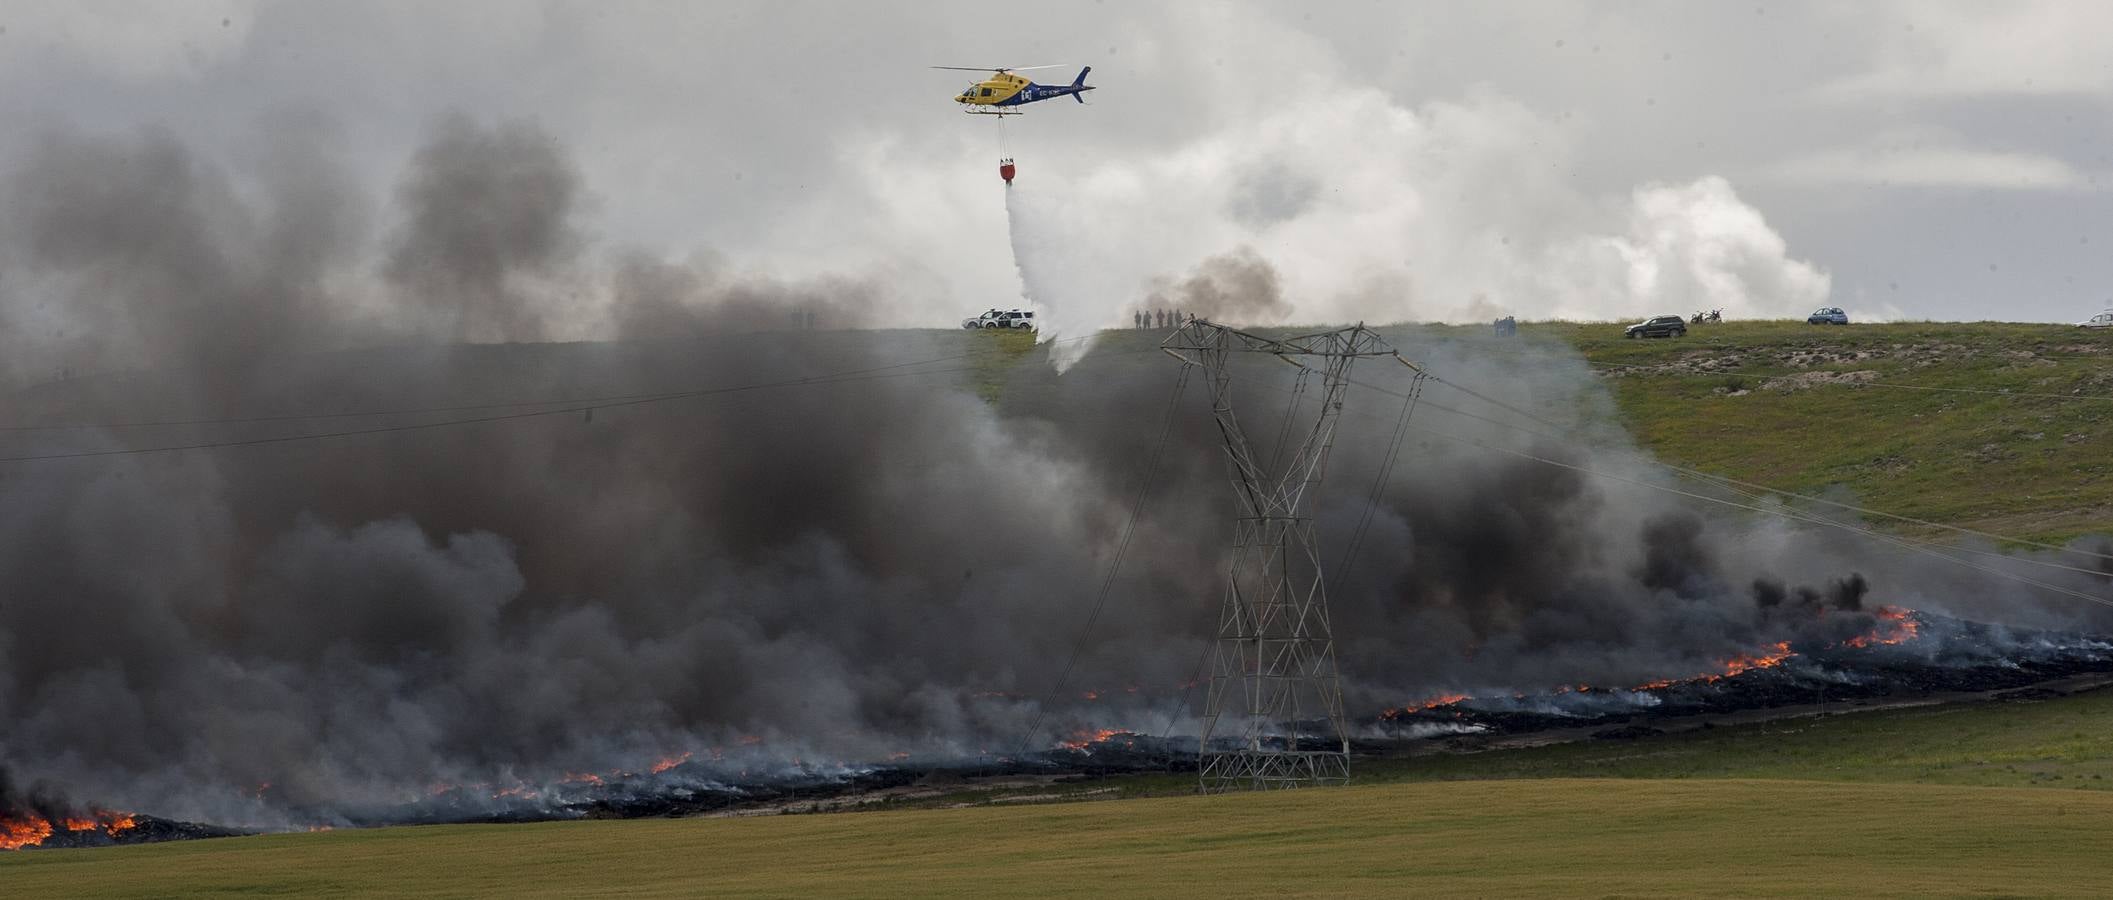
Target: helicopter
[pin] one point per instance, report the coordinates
(1004, 92)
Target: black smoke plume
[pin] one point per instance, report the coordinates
(840, 566)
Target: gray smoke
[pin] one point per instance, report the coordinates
(836, 569)
(1237, 288)
(656, 300)
(490, 230)
(132, 254)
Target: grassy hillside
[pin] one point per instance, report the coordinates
(1498, 838)
(2034, 467)
(1814, 409)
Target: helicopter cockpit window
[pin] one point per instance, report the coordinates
(986, 92)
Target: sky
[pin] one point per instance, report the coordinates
(1386, 161)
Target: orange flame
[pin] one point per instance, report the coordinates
(17, 832)
(671, 762)
(1085, 738)
(1744, 663)
(1738, 664)
(1433, 703)
(1896, 625)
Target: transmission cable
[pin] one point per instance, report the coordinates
(1905, 543)
(476, 407)
(1115, 563)
(1349, 557)
(1760, 492)
(851, 376)
(446, 423)
(1379, 481)
(1291, 408)
(1747, 484)
(1897, 541)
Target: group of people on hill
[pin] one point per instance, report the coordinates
(1159, 318)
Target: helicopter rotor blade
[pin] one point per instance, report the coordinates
(995, 68)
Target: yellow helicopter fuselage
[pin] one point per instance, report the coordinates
(1004, 90)
(994, 91)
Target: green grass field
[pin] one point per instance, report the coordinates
(2032, 467)
(1488, 838)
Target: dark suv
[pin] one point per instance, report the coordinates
(1658, 326)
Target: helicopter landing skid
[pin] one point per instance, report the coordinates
(994, 112)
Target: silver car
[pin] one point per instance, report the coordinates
(1011, 318)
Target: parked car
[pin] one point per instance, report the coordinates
(2102, 320)
(1009, 318)
(1827, 315)
(1658, 326)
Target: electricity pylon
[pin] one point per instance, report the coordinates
(1273, 673)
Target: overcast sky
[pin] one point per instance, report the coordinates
(1390, 160)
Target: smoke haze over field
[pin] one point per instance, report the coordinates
(849, 569)
(834, 567)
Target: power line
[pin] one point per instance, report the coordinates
(1696, 473)
(575, 406)
(447, 423)
(1725, 482)
(1115, 564)
(1379, 480)
(471, 407)
(1926, 547)
(1909, 544)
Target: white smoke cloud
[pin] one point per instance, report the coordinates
(1369, 210)
(1687, 246)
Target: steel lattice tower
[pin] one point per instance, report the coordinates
(1273, 674)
